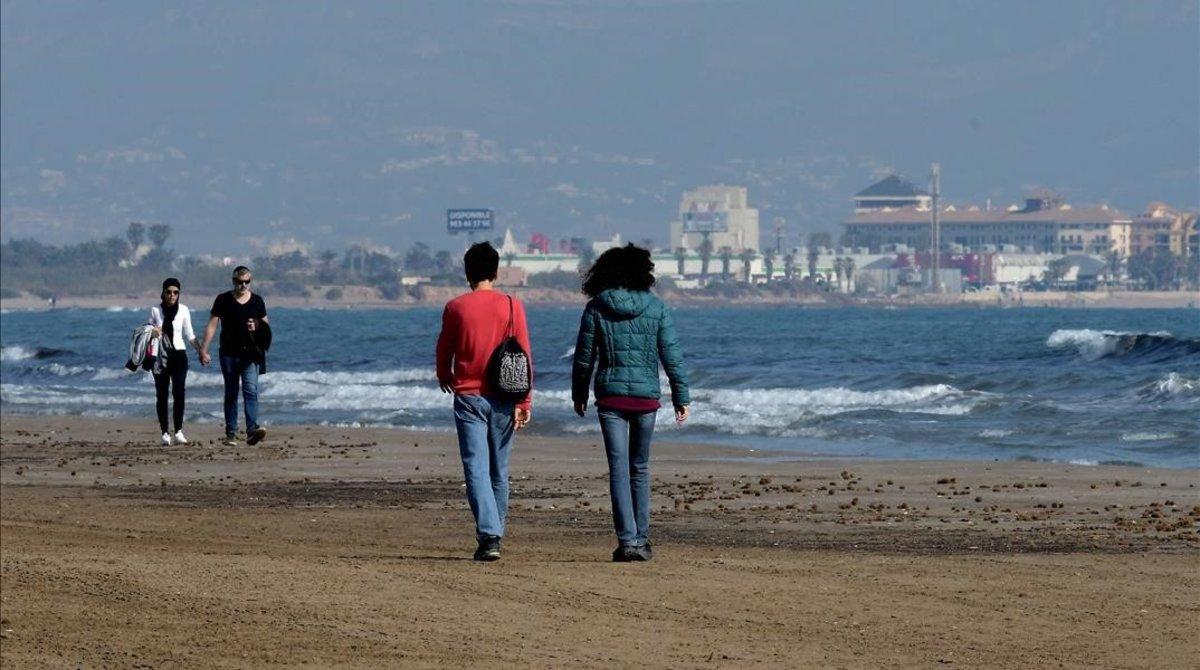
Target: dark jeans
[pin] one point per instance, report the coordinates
(627, 444)
(240, 371)
(485, 431)
(174, 378)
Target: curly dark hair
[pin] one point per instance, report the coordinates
(627, 267)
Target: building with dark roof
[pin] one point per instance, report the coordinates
(890, 192)
(1043, 225)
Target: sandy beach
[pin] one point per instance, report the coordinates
(334, 547)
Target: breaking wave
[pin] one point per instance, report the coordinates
(1151, 347)
(782, 412)
(19, 353)
(1172, 386)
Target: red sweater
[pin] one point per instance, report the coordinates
(473, 325)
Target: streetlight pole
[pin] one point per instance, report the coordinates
(935, 188)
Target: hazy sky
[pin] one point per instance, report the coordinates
(246, 123)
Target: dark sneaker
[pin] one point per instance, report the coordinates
(230, 440)
(643, 553)
(624, 554)
(255, 436)
(489, 549)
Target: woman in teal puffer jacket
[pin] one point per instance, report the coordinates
(626, 332)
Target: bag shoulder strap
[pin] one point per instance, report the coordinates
(512, 327)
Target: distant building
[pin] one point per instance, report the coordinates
(1164, 228)
(725, 209)
(891, 193)
(1043, 224)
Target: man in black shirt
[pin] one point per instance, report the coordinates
(241, 315)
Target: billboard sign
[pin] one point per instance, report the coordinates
(469, 220)
(705, 222)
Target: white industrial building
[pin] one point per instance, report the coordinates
(723, 209)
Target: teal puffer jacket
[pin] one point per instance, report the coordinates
(623, 337)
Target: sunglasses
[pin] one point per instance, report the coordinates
(241, 282)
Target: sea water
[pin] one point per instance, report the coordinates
(1090, 386)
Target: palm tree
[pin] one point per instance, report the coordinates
(158, 234)
(135, 233)
(789, 265)
(768, 255)
(726, 257)
(1113, 260)
(680, 258)
(706, 249)
(816, 241)
(747, 257)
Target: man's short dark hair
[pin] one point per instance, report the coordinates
(481, 262)
(241, 271)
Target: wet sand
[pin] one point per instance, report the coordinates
(333, 547)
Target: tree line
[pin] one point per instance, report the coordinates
(138, 260)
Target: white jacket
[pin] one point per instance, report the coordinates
(182, 325)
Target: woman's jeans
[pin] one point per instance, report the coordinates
(171, 382)
(240, 371)
(485, 431)
(627, 444)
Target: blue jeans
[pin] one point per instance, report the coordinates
(240, 371)
(627, 444)
(485, 431)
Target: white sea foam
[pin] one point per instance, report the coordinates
(22, 394)
(59, 370)
(108, 374)
(1083, 461)
(1146, 437)
(379, 377)
(1175, 384)
(995, 432)
(569, 353)
(1092, 344)
(16, 353)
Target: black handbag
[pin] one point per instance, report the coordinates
(509, 372)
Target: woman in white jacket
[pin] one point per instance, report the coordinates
(172, 324)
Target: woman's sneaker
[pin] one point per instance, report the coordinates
(625, 554)
(644, 553)
(255, 436)
(489, 549)
(230, 440)
(166, 439)
(179, 438)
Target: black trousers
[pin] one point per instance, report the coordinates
(173, 380)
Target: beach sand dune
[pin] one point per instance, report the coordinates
(333, 547)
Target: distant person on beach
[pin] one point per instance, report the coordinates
(172, 324)
(244, 325)
(475, 327)
(626, 332)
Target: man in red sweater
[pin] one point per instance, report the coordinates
(473, 325)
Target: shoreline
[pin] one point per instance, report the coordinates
(721, 449)
(436, 297)
(335, 547)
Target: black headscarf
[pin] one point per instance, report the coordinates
(169, 311)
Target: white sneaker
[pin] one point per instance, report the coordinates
(166, 439)
(179, 438)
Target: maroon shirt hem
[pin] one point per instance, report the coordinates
(628, 404)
